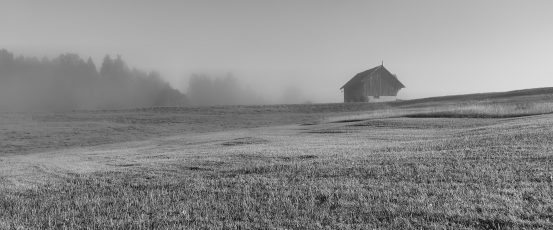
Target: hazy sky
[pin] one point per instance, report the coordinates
(435, 47)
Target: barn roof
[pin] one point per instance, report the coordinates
(365, 75)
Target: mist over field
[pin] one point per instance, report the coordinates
(227, 89)
(69, 82)
(220, 90)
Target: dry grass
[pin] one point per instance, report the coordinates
(464, 110)
(489, 110)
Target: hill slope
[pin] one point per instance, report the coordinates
(36, 132)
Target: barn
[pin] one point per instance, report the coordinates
(373, 85)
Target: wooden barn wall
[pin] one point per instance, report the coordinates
(354, 93)
(381, 85)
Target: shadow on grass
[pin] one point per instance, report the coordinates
(329, 131)
(245, 141)
(470, 115)
(348, 120)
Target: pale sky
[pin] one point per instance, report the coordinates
(436, 47)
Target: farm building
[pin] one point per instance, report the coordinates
(373, 85)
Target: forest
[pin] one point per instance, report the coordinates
(69, 82)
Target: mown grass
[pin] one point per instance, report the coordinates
(457, 165)
(494, 174)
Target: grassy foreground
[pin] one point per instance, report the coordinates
(499, 177)
(387, 172)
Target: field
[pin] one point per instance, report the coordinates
(461, 162)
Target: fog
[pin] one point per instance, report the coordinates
(69, 82)
(228, 89)
(276, 51)
(208, 90)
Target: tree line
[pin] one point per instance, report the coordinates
(69, 82)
